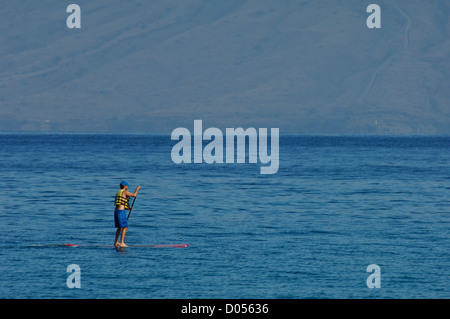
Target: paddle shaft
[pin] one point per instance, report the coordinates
(131, 207)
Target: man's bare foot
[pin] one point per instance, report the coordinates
(123, 245)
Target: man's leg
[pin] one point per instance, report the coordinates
(124, 231)
(116, 241)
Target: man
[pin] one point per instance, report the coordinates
(122, 202)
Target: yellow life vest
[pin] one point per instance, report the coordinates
(122, 201)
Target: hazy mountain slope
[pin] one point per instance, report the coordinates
(302, 66)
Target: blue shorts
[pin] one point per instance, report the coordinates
(120, 218)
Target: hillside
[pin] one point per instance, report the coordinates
(152, 66)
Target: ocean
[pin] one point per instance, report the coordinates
(336, 205)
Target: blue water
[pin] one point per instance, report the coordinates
(336, 205)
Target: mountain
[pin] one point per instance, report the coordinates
(151, 66)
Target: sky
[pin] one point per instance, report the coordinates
(312, 67)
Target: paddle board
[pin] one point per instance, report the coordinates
(111, 246)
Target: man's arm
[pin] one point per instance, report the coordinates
(127, 193)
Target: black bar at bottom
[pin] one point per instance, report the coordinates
(218, 308)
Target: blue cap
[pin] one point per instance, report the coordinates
(124, 183)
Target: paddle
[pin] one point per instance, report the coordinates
(131, 207)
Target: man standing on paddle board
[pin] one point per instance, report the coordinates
(122, 202)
